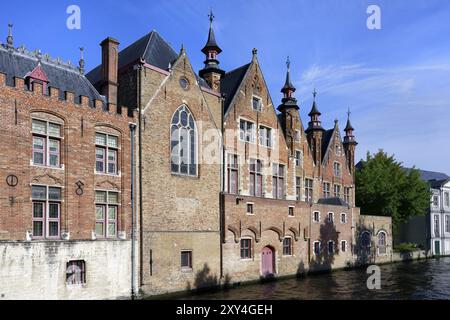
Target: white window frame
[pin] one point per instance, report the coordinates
(265, 141)
(343, 214)
(314, 216)
(314, 247)
(298, 161)
(47, 137)
(244, 134)
(293, 212)
(253, 208)
(345, 246)
(291, 247)
(330, 214)
(260, 103)
(328, 247)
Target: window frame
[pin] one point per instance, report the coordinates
(291, 211)
(278, 180)
(344, 221)
(260, 105)
(265, 140)
(233, 168)
(333, 251)
(314, 248)
(337, 189)
(298, 188)
(256, 176)
(298, 158)
(309, 190)
(246, 249)
(316, 213)
(46, 220)
(106, 221)
(47, 138)
(326, 191)
(337, 169)
(80, 277)
(288, 248)
(343, 246)
(246, 133)
(188, 267)
(251, 206)
(330, 221)
(106, 149)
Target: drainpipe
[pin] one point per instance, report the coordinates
(133, 213)
(222, 193)
(141, 228)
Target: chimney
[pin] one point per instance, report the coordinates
(110, 68)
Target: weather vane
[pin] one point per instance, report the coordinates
(288, 63)
(315, 93)
(211, 16)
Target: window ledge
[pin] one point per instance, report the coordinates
(119, 175)
(61, 168)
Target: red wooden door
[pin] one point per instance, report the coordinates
(267, 261)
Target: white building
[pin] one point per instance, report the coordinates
(432, 231)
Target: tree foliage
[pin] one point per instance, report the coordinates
(384, 187)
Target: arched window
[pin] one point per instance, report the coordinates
(365, 239)
(184, 143)
(382, 243)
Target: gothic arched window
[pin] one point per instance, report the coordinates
(183, 143)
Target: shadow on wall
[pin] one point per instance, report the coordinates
(329, 246)
(204, 280)
(365, 248)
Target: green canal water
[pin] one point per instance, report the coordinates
(420, 280)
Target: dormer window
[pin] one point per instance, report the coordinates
(257, 104)
(37, 76)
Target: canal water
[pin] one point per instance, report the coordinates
(420, 280)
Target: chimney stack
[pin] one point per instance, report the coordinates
(110, 69)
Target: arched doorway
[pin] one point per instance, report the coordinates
(267, 262)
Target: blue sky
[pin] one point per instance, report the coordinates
(396, 80)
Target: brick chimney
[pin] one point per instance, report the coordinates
(110, 68)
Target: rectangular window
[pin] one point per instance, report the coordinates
(291, 211)
(46, 143)
(265, 136)
(326, 190)
(309, 190)
(246, 249)
(287, 247)
(447, 224)
(331, 247)
(347, 198)
(76, 273)
(106, 152)
(257, 104)
(343, 218)
(298, 158)
(316, 216)
(233, 171)
(186, 259)
(330, 217)
(343, 246)
(46, 206)
(256, 178)
(436, 226)
(337, 191)
(436, 201)
(278, 175)
(298, 188)
(447, 199)
(106, 214)
(337, 169)
(317, 248)
(247, 131)
(250, 208)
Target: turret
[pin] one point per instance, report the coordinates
(350, 145)
(289, 110)
(315, 132)
(211, 73)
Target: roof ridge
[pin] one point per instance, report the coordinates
(152, 33)
(238, 68)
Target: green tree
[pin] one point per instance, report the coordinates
(384, 188)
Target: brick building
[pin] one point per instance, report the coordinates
(65, 209)
(229, 187)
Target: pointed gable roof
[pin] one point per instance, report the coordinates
(38, 74)
(151, 48)
(212, 43)
(231, 83)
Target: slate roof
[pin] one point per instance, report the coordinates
(326, 140)
(231, 82)
(20, 62)
(152, 48)
(333, 202)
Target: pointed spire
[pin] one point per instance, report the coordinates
(10, 39)
(288, 88)
(314, 110)
(182, 50)
(211, 44)
(81, 63)
(349, 127)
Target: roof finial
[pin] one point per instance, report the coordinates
(10, 39)
(182, 50)
(315, 94)
(81, 62)
(211, 16)
(255, 52)
(349, 113)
